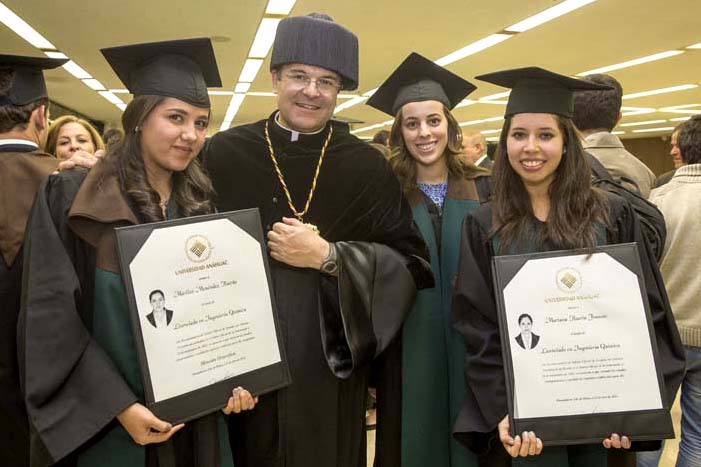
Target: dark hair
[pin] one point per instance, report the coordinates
(595, 110)
(381, 137)
(525, 315)
(157, 291)
(112, 136)
(575, 207)
(15, 116)
(404, 164)
(192, 189)
(689, 140)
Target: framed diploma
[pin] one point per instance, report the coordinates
(202, 311)
(578, 346)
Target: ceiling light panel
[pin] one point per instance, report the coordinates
(651, 130)
(548, 15)
(94, 84)
(24, 30)
(647, 122)
(473, 48)
(654, 92)
(264, 38)
(279, 7)
(250, 70)
(634, 62)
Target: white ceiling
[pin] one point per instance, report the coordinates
(602, 33)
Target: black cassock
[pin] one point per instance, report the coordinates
(475, 316)
(21, 171)
(331, 328)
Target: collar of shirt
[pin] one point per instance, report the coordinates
(21, 142)
(294, 135)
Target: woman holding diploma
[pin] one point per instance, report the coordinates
(81, 376)
(542, 201)
(442, 189)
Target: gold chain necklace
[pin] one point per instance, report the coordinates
(299, 215)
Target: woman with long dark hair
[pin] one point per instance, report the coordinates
(543, 201)
(81, 377)
(442, 188)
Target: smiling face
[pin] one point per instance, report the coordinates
(306, 96)
(534, 146)
(172, 135)
(73, 137)
(425, 132)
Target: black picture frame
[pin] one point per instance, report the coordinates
(641, 425)
(205, 400)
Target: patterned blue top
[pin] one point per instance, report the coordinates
(435, 191)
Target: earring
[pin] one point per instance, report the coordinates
(564, 150)
(136, 129)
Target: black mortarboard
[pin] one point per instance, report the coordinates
(535, 90)
(419, 79)
(182, 69)
(316, 40)
(28, 84)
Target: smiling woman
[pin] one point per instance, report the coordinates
(543, 201)
(151, 175)
(442, 189)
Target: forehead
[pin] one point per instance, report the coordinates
(171, 103)
(421, 109)
(311, 70)
(72, 128)
(534, 120)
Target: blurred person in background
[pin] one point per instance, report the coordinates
(680, 266)
(474, 147)
(596, 114)
(69, 135)
(24, 122)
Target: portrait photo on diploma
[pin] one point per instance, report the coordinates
(577, 345)
(202, 312)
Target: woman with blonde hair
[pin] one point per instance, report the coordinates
(70, 134)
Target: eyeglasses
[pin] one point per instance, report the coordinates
(324, 85)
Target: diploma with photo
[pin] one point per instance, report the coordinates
(202, 311)
(577, 340)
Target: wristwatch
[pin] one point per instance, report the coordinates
(329, 265)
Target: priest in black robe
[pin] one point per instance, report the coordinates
(346, 258)
(23, 166)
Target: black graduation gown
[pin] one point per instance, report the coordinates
(78, 361)
(22, 168)
(475, 316)
(331, 328)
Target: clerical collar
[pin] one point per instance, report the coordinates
(18, 142)
(294, 135)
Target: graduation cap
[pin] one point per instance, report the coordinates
(182, 69)
(28, 84)
(418, 79)
(535, 90)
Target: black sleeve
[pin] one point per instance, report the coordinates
(475, 317)
(72, 389)
(364, 308)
